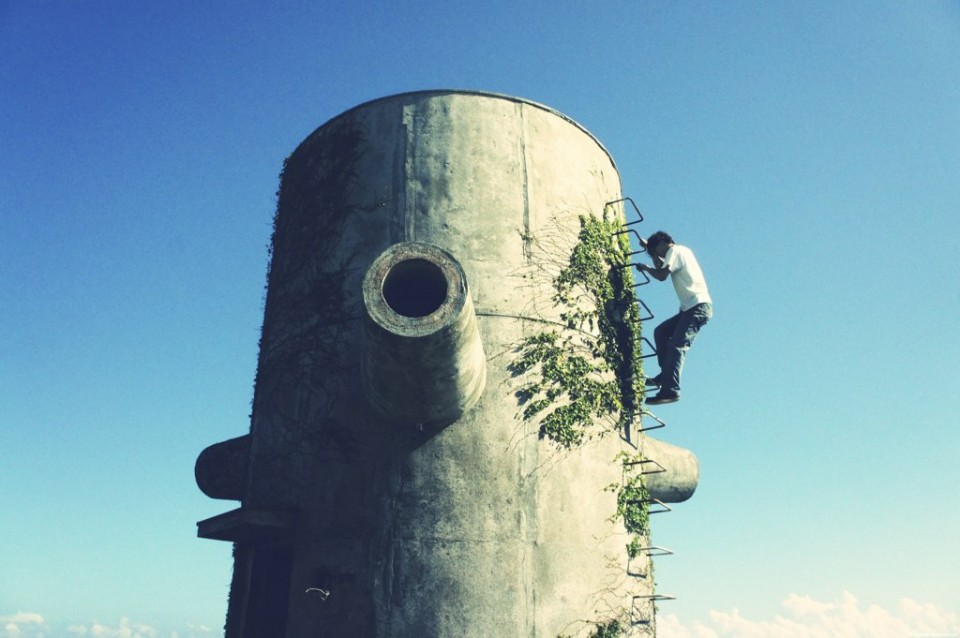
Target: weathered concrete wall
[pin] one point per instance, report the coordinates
(470, 528)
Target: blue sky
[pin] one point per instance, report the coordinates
(808, 152)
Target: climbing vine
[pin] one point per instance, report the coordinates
(610, 629)
(632, 503)
(592, 370)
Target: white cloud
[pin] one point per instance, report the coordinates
(23, 617)
(805, 617)
(126, 629)
(802, 617)
(22, 625)
(30, 625)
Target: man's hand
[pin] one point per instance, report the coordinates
(660, 273)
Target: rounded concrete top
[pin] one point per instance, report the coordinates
(412, 95)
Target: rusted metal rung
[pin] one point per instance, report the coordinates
(637, 573)
(626, 227)
(664, 506)
(653, 348)
(631, 264)
(638, 617)
(644, 462)
(642, 429)
(632, 203)
(646, 621)
(654, 550)
(628, 263)
(654, 597)
(660, 422)
(640, 240)
(649, 314)
(646, 278)
(651, 501)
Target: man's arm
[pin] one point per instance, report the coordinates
(658, 271)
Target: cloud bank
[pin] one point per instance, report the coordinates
(33, 625)
(801, 617)
(804, 617)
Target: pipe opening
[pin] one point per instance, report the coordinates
(414, 288)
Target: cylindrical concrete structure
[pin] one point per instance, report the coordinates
(403, 482)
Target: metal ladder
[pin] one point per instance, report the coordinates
(643, 608)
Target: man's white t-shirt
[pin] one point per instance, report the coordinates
(687, 277)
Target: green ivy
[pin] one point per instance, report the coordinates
(593, 369)
(611, 629)
(633, 506)
(565, 373)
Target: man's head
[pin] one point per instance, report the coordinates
(658, 243)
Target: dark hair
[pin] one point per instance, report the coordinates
(656, 239)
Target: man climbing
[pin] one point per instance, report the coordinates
(674, 336)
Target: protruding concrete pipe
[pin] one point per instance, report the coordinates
(423, 362)
(681, 471)
(221, 469)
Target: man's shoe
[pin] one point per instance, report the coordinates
(652, 381)
(663, 397)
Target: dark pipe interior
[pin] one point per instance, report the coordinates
(415, 288)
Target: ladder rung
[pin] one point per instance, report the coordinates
(644, 306)
(642, 429)
(653, 349)
(651, 501)
(635, 573)
(655, 550)
(660, 422)
(664, 506)
(638, 618)
(632, 203)
(630, 231)
(655, 597)
(644, 462)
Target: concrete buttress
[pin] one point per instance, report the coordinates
(387, 486)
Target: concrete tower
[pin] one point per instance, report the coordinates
(388, 485)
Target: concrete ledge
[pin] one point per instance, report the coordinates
(246, 526)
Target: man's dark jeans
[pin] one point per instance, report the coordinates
(673, 339)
